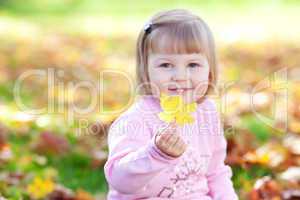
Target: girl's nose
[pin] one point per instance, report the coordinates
(180, 75)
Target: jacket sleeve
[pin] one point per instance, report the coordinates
(133, 157)
(219, 174)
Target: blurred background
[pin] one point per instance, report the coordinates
(53, 54)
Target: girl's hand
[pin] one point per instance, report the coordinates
(170, 142)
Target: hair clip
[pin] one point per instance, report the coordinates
(148, 27)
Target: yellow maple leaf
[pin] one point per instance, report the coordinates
(174, 108)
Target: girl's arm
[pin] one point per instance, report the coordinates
(219, 175)
(133, 157)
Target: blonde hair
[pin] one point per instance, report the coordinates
(174, 31)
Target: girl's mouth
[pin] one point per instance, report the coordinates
(178, 90)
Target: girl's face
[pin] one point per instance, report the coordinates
(186, 75)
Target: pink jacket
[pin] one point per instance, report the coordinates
(137, 169)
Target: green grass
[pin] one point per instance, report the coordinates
(262, 131)
(75, 172)
(74, 168)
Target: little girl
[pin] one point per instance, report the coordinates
(151, 157)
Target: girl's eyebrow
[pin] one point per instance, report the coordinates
(198, 58)
(163, 59)
(195, 59)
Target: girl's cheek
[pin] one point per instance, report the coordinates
(164, 77)
(199, 81)
(200, 76)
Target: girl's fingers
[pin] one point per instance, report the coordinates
(169, 126)
(165, 137)
(161, 130)
(180, 145)
(159, 138)
(176, 143)
(172, 141)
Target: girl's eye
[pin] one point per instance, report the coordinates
(192, 65)
(165, 65)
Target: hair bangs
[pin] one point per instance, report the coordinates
(184, 38)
